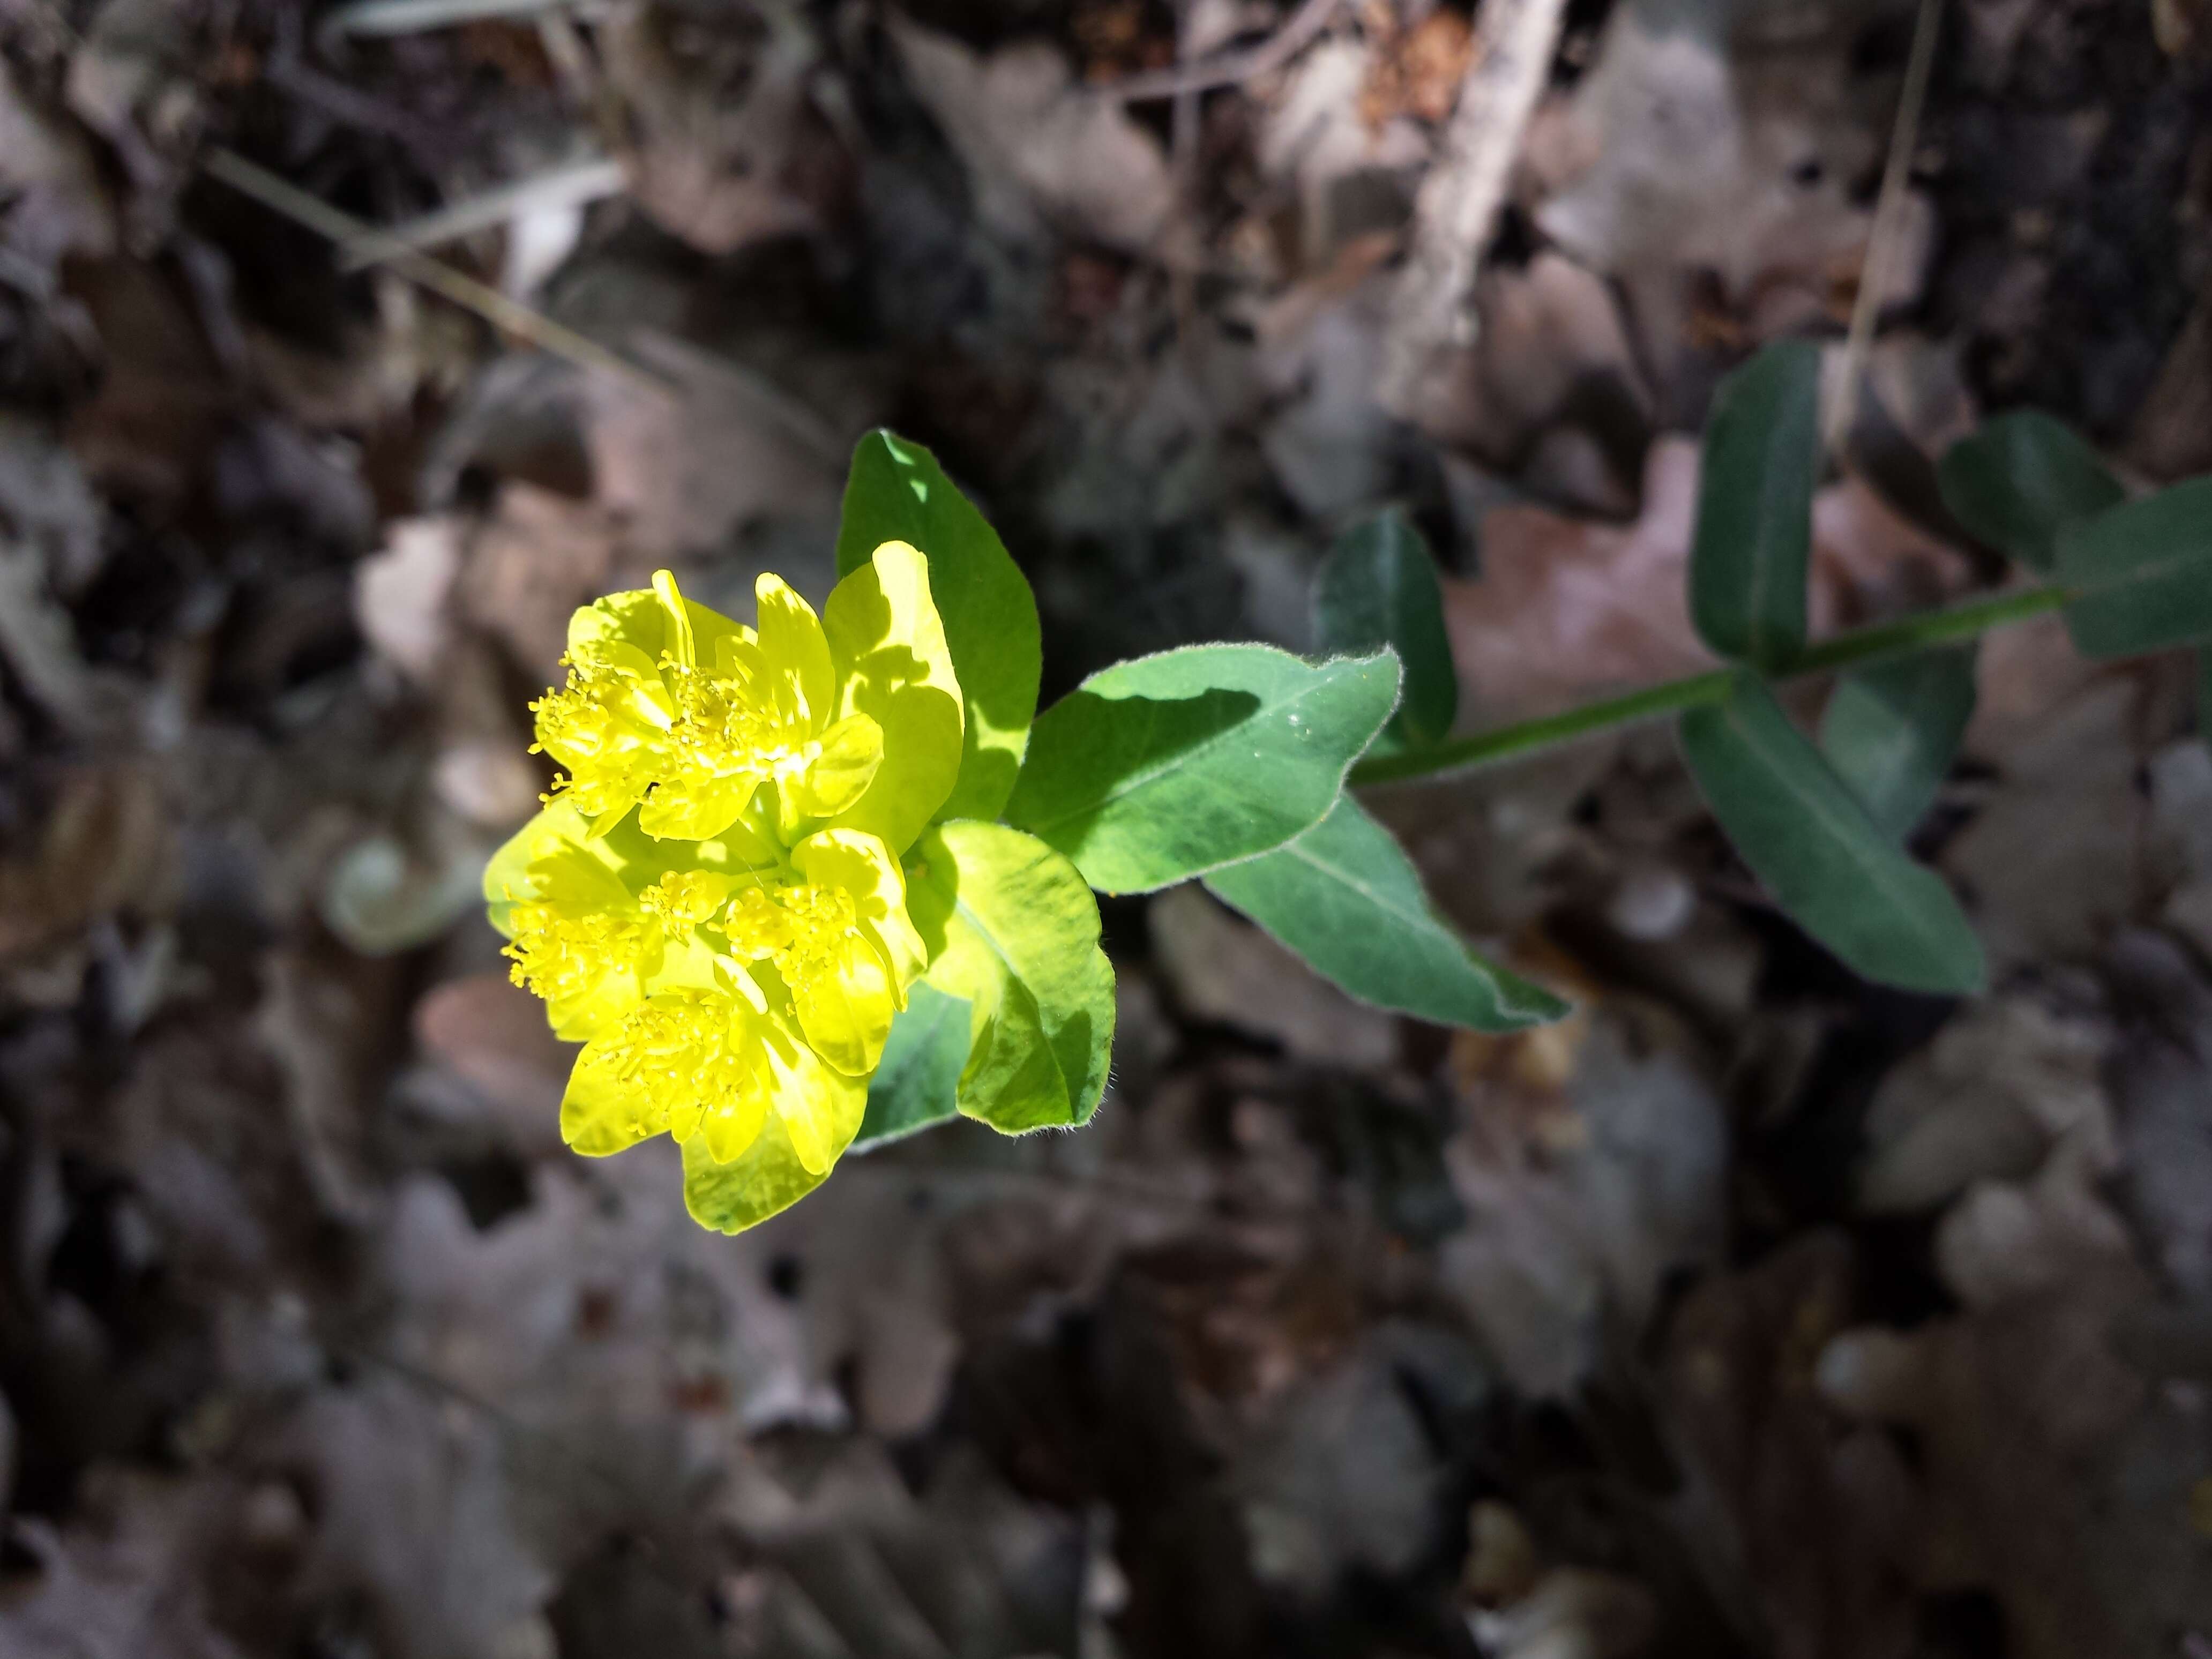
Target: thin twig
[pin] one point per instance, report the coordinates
(574, 184)
(1230, 67)
(518, 319)
(384, 17)
(1459, 199)
(1887, 229)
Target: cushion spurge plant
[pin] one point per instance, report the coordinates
(805, 886)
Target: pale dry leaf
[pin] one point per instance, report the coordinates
(127, 1580)
(1566, 608)
(57, 204)
(530, 565)
(105, 845)
(417, 1513)
(1582, 1193)
(1770, 1468)
(402, 594)
(1042, 151)
(2003, 1082)
(2051, 1476)
(1224, 968)
(1551, 339)
(1742, 164)
(493, 1035)
(2055, 860)
(728, 452)
(727, 147)
(1315, 137)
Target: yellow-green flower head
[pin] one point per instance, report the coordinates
(687, 715)
(732, 952)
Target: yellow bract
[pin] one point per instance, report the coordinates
(732, 951)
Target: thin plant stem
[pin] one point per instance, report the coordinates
(1860, 645)
(1887, 229)
(517, 318)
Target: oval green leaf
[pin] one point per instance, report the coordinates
(1164, 767)
(1345, 897)
(1892, 730)
(1011, 926)
(1378, 586)
(1754, 535)
(896, 492)
(2145, 572)
(2020, 479)
(917, 1085)
(1806, 837)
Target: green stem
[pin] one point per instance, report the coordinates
(1860, 645)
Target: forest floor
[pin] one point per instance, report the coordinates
(1752, 1311)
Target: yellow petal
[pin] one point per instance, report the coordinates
(687, 632)
(852, 750)
(631, 618)
(728, 1129)
(694, 1063)
(864, 867)
(792, 641)
(696, 812)
(819, 1110)
(601, 1114)
(506, 877)
(845, 1007)
(676, 637)
(887, 642)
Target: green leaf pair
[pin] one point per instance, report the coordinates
(1821, 826)
(2140, 572)
(1821, 830)
(1221, 763)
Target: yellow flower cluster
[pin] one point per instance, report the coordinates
(712, 901)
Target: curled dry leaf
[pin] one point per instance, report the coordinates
(1223, 969)
(1566, 608)
(1041, 149)
(727, 147)
(105, 845)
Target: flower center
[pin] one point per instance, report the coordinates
(720, 730)
(560, 955)
(801, 926)
(687, 1053)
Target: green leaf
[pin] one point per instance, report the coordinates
(1164, 767)
(917, 1085)
(1347, 898)
(1754, 535)
(1378, 586)
(2145, 570)
(1806, 837)
(1011, 926)
(1892, 730)
(896, 492)
(2016, 482)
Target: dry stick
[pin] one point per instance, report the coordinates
(380, 17)
(574, 184)
(1843, 399)
(518, 319)
(1459, 199)
(1230, 67)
